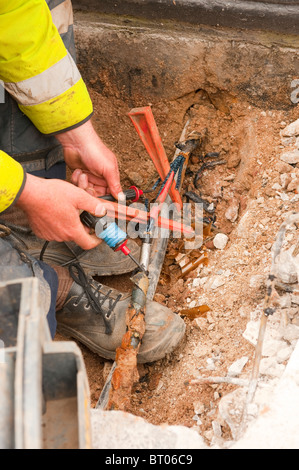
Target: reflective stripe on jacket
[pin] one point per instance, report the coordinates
(37, 70)
(39, 73)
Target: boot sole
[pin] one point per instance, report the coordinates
(158, 353)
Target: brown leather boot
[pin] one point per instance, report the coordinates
(95, 315)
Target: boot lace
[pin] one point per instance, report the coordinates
(95, 297)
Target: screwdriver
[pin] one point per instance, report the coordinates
(111, 234)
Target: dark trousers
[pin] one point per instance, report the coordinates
(15, 264)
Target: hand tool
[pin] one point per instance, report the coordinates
(110, 233)
(115, 237)
(144, 122)
(119, 211)
(116, 393)
(185, 147)
(133, 194)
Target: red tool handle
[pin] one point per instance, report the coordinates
(144, 122)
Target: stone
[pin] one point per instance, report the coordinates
(277, 187)
(220, 241)
(200, 323)
(293, 185)
(231, 408)
(285, 179)
(286, 267)
(285, 301)
(284, 354)
(236, 367)
(196, 282)
(132, 432)
(257, 280)
(211, 364)
(160, 298)
(232, 211)
(272, 340)
(270, 367)
(271, 346)
(215, 282)
(283, 167)
(201, 350)
(291, 332)
(291, 130)
(135, 177)
(291, 157)
(198, 407)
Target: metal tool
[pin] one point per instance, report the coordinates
(110, 233)
(119, 211)
(144, 122)
(116, 391)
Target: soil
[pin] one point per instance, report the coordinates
(248, 210)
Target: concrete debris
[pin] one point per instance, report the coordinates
(285, 180)
(199, 281)
(291, 333)
(199, 407)
(275, 405)
(291, 157)
(232, 211)
(215, 282)
(269, 366)
(120, 430)
(236, 368)
(220, 241)
(284, 354)
(292, 130)
(276, 426)
(231, 409)
(287, 267)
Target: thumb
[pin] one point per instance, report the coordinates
(91, 204)
(113, 180)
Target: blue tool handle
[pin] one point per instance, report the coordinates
(112, 235)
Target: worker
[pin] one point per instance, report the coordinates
(46, 127)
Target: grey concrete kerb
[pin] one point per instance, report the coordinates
(268, 15)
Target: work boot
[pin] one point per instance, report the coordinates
(100, 261)
(95, 315)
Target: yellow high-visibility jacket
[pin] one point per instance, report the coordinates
(40, 74)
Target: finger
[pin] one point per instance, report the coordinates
(75, 176)
(90, 204)
(97, 180)
(83, 181)
(113, 181)
(85, 240)
(91, 191)
(101, 190)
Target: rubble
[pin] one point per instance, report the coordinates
(220, 241)
(291, 157)
(251, 198)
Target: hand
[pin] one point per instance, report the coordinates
(84, 150)
(53, 208)
(84, 180)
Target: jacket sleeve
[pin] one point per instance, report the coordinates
(12, 180)
(37, 70)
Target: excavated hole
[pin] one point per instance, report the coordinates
(232, 285)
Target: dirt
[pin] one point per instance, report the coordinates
(248, 210)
